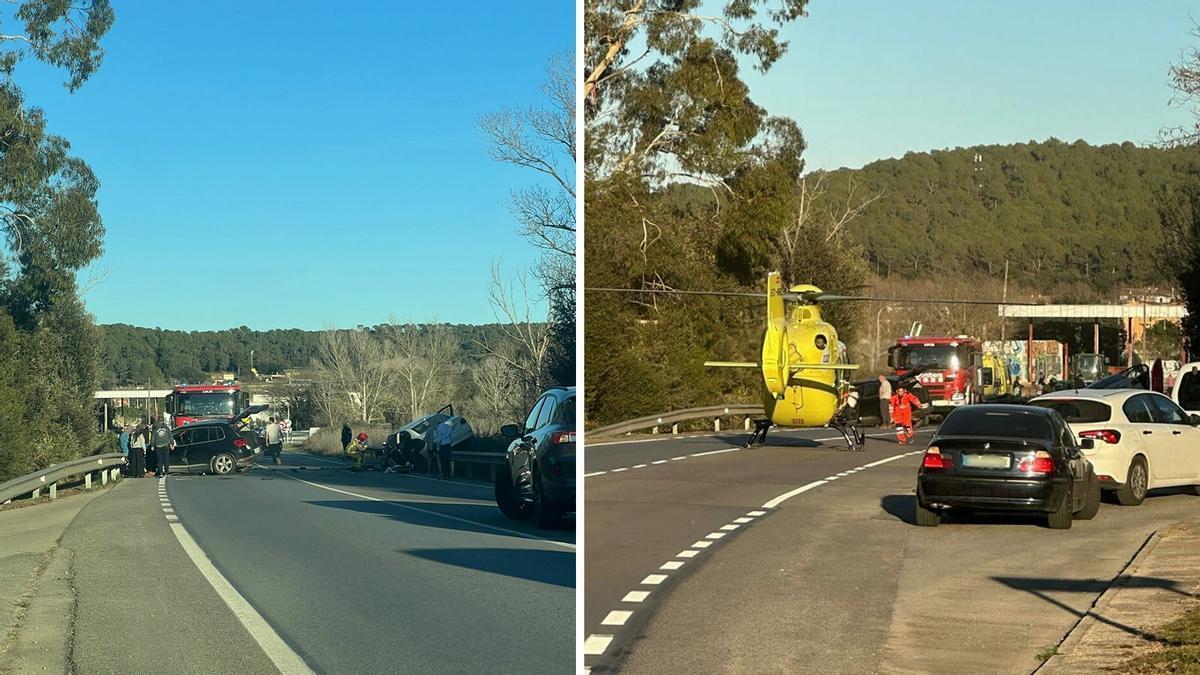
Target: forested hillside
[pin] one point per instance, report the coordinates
(134, 356)
(1067, 212)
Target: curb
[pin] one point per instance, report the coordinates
(1071, 640)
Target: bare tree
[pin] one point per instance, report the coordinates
(530, 339)
(543, 139)
(423, 361)
(819, 216)
(1185, 81)
(352, 366)
(492, 404)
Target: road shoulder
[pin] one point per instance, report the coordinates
(1160, 583)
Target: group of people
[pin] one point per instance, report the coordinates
(147, 447)
(896, 407)
(399, 459)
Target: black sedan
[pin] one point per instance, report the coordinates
(1008, 458)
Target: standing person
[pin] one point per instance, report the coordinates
(123, 439)
(885, 401)
(137, 453)
(163, 442)
(444, 436)
(902, 409)
(274, 434)
(347, 436)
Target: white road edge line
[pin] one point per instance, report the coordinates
(654, 579)
(792, 493)
(617, 617)
(595, 645)
(713, 452)
(435, 513)
(284, 658)
(635, 596)
(594, 473)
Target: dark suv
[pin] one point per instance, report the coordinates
(216, 446)
(539, 466)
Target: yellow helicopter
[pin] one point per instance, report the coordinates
(805, 373)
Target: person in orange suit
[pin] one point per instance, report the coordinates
(902, 404)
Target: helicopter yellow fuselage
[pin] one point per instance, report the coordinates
(804, 369)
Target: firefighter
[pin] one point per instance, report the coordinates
(357, 448)
(902, 404)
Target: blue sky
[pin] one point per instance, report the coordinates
(296, 164)
(868, 79)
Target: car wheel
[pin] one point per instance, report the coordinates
(1136, 481)
(1091, 506)
(1062, 517)
(224, 464)
(545, 514)
(507, 498)
(927, 517)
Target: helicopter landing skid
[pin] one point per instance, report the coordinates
(759, 435)
(856, 441)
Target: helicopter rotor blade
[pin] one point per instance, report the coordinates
(814, 297)
(671, 291)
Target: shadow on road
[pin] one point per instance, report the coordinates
(465, 517)
(904, 508)
(1041, 586)
(547, 567)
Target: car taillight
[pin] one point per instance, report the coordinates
(934, 459)
(239, 442)
(1110, 436)
(562, 437)
(1039, 463)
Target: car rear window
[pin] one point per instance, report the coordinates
(1081, 411)
(1001, 424)
(566, 414)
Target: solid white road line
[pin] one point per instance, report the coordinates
(654, 579)
(635, 596)
(714, 452)
(617, 617)
(885, 460)
(436, 514)
(792, 493)
(595, 645)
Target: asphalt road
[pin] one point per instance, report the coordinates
(800, 557)
(369, 572)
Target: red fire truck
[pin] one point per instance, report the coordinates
(191, 402)
(947, 367)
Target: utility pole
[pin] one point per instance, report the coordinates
(1004, 299)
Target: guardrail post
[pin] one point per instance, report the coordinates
(53, 490)
(747, 425)
(654, 430)
(87, 481)
(36, 493)
(675, 428)
(717, 424)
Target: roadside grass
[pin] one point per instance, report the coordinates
(1180, 650)
(1046, 653)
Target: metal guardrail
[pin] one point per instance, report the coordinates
(673, 419)
(108, 465)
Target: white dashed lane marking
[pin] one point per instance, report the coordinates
(595, 645)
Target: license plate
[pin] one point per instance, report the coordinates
(987, 461)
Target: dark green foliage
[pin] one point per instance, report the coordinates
(51, 229)
(1070, 212)
(1180, 213)
(133, 356)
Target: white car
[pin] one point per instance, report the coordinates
(1186, 391)
(1143, 439)
(422, 431)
